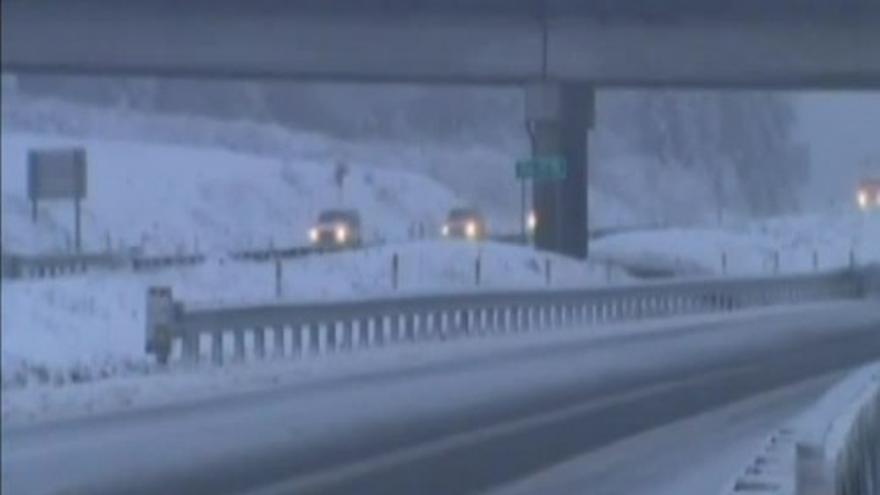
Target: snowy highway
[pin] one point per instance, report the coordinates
(460, 425)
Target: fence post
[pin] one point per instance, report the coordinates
(478, 271)
(278, 278)
(395, 270)
(159, 319)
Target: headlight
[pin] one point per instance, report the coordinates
(445, 230)
(532, 221)
(341, 234)
(470, 229)
(863, 199)
(313, 235)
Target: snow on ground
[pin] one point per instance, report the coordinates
(124, 391)
(750, 247)
(97, 321)
(186, 190)
(719, 443)
(166, 198)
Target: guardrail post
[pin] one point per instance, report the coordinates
(296, 340)
(260, 342)
(278, 341)
(815, 260)
(238, 344)
(724, 262)
(852, 258)
(548, 276)
(160, 316)
(313, 331)
(437, 327)
(811, 472)
(363, 333)
(410, 325)
(190, 347)
(379, 335)
(775, 262)
(217, 347)
(330, 341)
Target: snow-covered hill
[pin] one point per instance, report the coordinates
(164, 198)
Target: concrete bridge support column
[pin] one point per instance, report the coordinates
(559, 117)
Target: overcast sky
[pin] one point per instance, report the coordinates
(841, 130)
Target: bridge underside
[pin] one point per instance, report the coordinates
(465, 42)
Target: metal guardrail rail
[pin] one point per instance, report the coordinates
(143, 263)
(833, 449)
(301, 329)
(16, 266)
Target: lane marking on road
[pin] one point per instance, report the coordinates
(315, 481)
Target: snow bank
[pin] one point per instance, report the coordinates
(750, 248)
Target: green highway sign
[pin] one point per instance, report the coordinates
(541, 168)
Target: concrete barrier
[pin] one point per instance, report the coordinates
(832, 449)
(298, 329)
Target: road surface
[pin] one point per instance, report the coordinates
(465, 426)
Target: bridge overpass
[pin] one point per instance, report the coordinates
(560, 49)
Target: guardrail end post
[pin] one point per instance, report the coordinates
(160, 316)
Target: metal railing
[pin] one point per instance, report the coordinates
(177, 329)
(833, 449)
(144, 263)
(17, 266)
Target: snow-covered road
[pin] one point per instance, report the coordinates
(464, 424)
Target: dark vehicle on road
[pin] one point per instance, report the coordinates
(337, 229)
(465, 223)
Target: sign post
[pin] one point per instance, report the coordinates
(58, 173)
(339, 176)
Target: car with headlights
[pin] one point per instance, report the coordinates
(336, 229)
(465, 223)
(868, 194)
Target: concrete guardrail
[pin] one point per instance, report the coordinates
(832, 449)
(190, 333)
